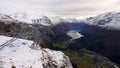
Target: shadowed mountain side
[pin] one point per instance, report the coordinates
(37, 32)
(98, 39)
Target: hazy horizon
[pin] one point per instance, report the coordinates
(63, 8)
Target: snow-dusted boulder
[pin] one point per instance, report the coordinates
(22, 54)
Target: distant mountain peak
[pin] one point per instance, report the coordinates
(3, 16)
(110, 19)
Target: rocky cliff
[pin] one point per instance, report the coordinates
(24, 54)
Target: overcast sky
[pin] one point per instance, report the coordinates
(63, 8)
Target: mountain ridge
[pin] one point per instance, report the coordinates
(110, 20)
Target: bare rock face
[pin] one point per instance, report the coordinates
(50, 57)
(20, 54)
(32, 31)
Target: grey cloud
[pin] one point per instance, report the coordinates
(64, 8)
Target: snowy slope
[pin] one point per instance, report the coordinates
(21, 55)
(6, 18)
(25, 16)
(29, 17)
(110, 19)
(21, 16)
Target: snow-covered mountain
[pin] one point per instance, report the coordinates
(110, 19)
(31, 18)
(6, 18)
(35, 17)
(20, 16)
(21, 54)
(3, 16)
(44, 20)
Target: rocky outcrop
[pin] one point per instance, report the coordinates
(23, 54)
(50, 56)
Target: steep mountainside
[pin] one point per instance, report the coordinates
(14, 28)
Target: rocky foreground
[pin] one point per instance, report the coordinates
(24, 54)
